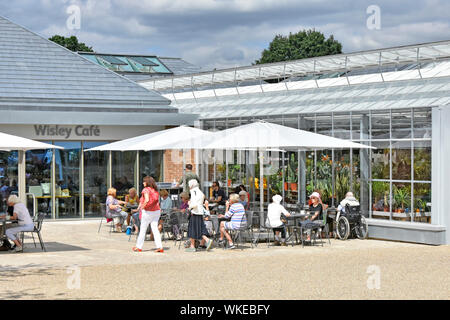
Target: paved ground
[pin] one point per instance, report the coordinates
(108, 269)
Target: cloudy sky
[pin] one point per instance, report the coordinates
(228, 33)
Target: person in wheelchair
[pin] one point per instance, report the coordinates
(350, 200)
(349, 219)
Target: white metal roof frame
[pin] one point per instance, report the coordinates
(419, 53)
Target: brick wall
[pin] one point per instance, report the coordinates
(173, 164)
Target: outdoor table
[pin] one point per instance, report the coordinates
(294, 218)
(3, 223)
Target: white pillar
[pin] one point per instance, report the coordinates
(21, 167)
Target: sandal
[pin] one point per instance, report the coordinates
(135, 249)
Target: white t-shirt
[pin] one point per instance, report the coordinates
(274, 211)
(23, 215)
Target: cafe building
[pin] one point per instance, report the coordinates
(395, 99)
(51, 94)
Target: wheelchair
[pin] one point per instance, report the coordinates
(351, 222)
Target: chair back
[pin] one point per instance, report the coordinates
(249, 219)
(324, 213)
(103, 209)
(39, 221)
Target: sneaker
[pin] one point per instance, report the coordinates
(283, 244)
(209, 244)
(232, 246)
(135, 249)
(18, 249)
(190, 250)
(276, 243)
(159, 250)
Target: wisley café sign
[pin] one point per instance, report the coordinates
(66, 132)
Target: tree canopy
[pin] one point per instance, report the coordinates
(71, 43)
(300, 45)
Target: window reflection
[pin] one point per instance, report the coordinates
(8, 177)
(123, 164)
(38, 179)
(67, 178)
(95, 179)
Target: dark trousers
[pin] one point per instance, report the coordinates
(282, 229)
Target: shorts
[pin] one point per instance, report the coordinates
(229, 226)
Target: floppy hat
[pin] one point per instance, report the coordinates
(315, 194)
(277, 198)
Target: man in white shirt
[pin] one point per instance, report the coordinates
(25, 223)
(274, 211)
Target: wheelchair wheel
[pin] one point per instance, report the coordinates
(362, 228)
(342, 228)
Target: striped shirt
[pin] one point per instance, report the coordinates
(237, 214)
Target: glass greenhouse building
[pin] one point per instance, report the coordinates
(394, 99)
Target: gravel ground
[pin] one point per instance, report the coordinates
(107, 269)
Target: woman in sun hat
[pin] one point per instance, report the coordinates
(316, 211)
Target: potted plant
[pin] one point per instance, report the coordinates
(401, 198)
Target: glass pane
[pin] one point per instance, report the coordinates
(38, 177)
(323, 183)
(380, 200)
(290, 121)
(422, 124)
(380, 124)
(307, 123)
(360, 126)
(123, 164)
(323, 124)
(380, 160)
(8, 177)
(342, 174)
(95, 179)
(67, 171)
(150, 163)
(310, 174)
(401, 124)
(341, 126)
(422, 202)
(401, 160)
(422, 160)
(291, 177)
(401, 205)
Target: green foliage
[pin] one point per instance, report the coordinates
(402, 197)
(300, 45)
(71, 43)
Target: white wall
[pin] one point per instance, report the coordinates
(440, 194)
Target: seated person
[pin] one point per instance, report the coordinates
(238, 190)
(184, 205)
(219, 196)
(236, 212)
(274, 211)
(243, 198)
(25, 223)
(315, 209)
(350, 200)
(131, 199)
(165, 202)
(114, 209)
(207, 218)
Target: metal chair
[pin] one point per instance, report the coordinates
(165, 216)
(37, 229)
(264, 227)
(237, 233)
(106, 217)
(183, 223)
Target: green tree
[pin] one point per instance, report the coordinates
(300, 45)
(71, 43)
